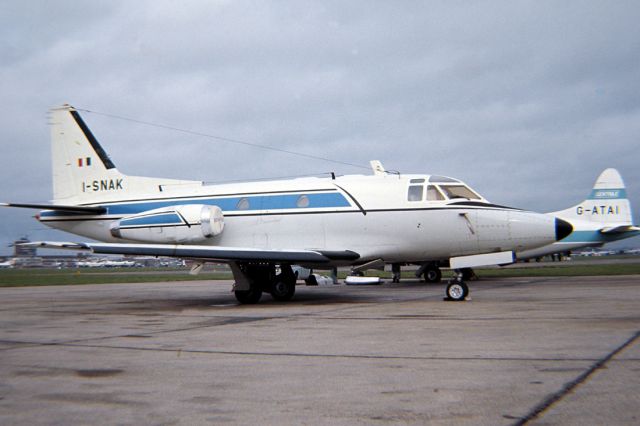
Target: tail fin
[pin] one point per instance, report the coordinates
(82, 170)
(77, 157)
(607, 205)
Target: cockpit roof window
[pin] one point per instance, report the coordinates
(459, 191)
(442, 179)
(416, 181)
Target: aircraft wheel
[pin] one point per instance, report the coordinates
(249, 297)
(433, 274)
(457, 291)
(283, 290)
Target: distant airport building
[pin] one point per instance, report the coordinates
(22, 251)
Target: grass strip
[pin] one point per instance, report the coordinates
(43, 277)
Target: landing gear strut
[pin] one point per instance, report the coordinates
(395, 269)
(468, 274)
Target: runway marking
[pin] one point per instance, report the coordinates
(548, 402)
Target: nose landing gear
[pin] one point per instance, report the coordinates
(457, 289)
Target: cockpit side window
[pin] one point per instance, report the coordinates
(459, 191)
(415, 193)
(433, 194)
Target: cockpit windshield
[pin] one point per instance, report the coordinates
(459, 191)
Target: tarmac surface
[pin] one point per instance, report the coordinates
(539, 351)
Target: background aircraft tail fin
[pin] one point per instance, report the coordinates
(607, 205)
(82, 169)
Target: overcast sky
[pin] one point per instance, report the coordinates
(526, 101)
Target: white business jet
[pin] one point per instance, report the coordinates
(261, 229)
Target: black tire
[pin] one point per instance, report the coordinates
(457, 291)
(248, 297)
(283, 290)
(433, 274)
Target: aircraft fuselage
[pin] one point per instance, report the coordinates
(378, 216)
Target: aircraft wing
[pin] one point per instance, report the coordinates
(207, 253)
(620, 229)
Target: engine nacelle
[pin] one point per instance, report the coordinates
(186, 224)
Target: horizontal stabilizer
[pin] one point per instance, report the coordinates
(206, 253)
(620, 229)
(68, 209)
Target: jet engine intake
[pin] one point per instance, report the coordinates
(183, 224)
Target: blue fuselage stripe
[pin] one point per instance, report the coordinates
(229, 204)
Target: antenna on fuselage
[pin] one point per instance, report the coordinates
(378, 168)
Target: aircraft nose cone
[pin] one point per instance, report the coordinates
(563, 229)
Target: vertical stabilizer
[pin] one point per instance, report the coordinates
(78, 159)
(607, 204)
(83, 173)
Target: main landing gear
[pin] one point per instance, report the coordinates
(263, 278)
(430, 271)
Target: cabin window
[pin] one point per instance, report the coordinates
(303, 201)
(243, 204)
(433, 194)
(415, 193)
(459, 191)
